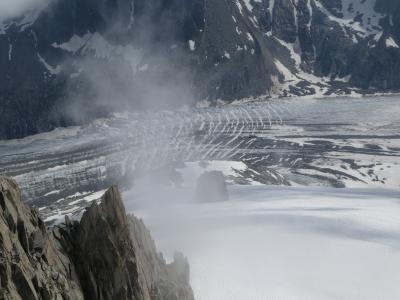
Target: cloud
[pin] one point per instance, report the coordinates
(127, 83)
(141, 74)
(14, 8)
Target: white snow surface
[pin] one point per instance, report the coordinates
(248, 4)
(390, 42)
(280, 242)
(52, 70)
(97, 45)
(192, 45)
(369, 23)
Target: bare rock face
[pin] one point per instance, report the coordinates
(117, 258)
(107, 255)
(211, 187)
(33, 264)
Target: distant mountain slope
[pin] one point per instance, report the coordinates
(72, 60)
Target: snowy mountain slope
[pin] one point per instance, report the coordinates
(69, 61)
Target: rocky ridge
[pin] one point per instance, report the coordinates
(107, 255)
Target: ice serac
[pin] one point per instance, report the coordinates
(107, 255)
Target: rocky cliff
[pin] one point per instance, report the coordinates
(67, 61)
(107, 255)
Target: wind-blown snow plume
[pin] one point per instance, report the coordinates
(138, 73)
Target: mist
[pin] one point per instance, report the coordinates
(14, 8)
(128, 67)
(129, 83)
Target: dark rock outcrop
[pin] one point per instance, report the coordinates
(107, 255)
